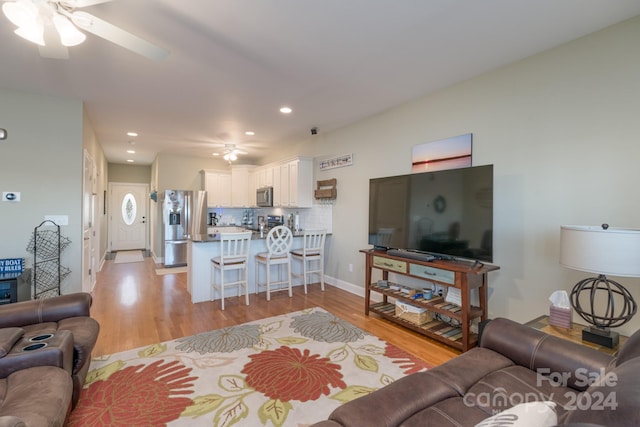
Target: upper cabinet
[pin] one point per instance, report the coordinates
(218, 187)
(243, 193)
(301, 183)
(292, 182)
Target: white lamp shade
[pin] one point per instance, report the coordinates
(69, 34)
(612, 252)
(20, 13)
(33, 33)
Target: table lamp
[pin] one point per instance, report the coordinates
(602, 302)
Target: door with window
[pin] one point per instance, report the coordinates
(128, 216)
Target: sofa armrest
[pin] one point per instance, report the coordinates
(8, 337)
(546, 354)
(45, 310)
(55, 351)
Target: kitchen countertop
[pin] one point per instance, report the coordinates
(255, 235)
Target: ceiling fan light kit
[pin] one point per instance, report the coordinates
(25, 15)
(55, 25)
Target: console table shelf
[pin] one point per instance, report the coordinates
(462, 275)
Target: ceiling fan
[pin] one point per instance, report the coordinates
(230, 153)
(55, 25)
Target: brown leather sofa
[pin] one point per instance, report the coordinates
(45, 352)
(513, 364)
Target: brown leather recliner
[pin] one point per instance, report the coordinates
(514, 363)
(56, 332)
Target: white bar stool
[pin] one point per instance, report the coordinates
(234, 255)
(278, 243)
(311, 252)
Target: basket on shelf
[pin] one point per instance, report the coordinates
(413, 314)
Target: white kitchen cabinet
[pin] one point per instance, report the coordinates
(241, 194)
(292, 182)
(301, 183)
(217, 184)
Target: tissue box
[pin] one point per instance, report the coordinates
(560, 316)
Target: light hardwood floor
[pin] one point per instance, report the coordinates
(136, 307)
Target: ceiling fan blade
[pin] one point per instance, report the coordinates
(118, 36)
(52, 48)
(84, 3)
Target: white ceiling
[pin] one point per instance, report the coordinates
(233, 63)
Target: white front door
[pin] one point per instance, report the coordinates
(128, 216)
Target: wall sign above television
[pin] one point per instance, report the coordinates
(448, 213)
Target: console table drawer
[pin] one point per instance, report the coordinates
(390, 264)
(431, 273)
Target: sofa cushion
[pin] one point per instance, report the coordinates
(39, 396)
(511, 386)
(529, 414)
(465, 370)
(452, 412)
(400, 400)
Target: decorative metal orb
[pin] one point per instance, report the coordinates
(610, 304)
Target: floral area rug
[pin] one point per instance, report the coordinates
(289, 370)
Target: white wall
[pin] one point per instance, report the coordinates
(42, 159)
(561, 129)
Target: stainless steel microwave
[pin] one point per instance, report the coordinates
(264, 197)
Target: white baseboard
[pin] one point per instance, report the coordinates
(351, 288)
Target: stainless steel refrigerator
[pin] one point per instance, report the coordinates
(184, 213)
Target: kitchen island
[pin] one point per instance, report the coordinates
(202, 248)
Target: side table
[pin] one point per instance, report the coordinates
(574, 334)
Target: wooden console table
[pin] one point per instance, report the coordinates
(457, 274)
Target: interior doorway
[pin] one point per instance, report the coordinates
(89, 235)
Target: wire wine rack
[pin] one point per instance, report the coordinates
(46, 245)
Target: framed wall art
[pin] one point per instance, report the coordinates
(449, 153)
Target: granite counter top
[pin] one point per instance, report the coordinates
(255, 235)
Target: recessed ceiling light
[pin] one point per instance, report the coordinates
(131, 151)
(216, 154)
(249, 133)
(286, 110)
(132, 133)
(130, 161)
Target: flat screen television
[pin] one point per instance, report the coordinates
(445, 213)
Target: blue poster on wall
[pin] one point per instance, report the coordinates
(11, 265)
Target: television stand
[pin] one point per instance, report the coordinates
(448, 273)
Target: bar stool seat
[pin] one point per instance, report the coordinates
(312, 253)
(278, 243)
(234, 256)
